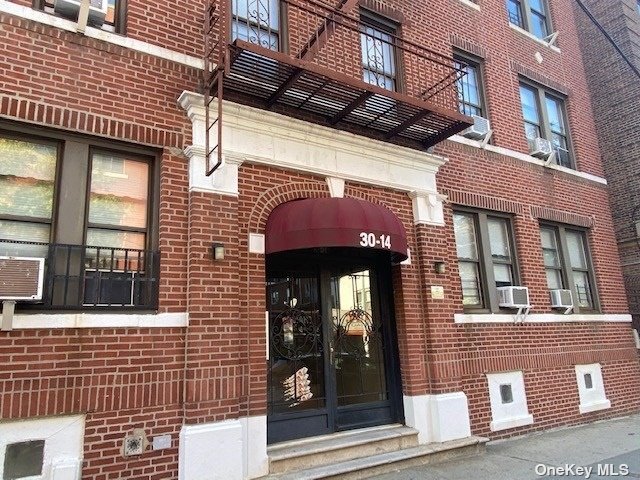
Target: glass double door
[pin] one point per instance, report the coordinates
(331, 358)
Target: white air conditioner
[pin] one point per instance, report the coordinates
(540, 147)
(70, 9)
(513, 297)
(21, 278)
(480, 128)
(561, 298)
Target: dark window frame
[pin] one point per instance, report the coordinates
(372, 19)
(464, 58)
(488, 288)
(57, 233)
(560, 232)
(526, 12)
(118, 26)
(541, 94)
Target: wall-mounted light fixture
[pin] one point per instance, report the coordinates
(217, 250)
(440, 267)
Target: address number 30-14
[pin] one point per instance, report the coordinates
(371, 240)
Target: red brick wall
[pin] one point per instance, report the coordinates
(615, 91)
(135, 378)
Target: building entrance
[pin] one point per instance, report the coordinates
(332, 349)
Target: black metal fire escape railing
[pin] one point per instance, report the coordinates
(326, 64)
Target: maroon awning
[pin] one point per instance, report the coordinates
(335, 222)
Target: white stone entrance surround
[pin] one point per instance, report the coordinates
(236, 449)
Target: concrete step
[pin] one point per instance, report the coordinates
(366, 467)
(339, 447)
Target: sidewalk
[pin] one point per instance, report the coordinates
(609, 444)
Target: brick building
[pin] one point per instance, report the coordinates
(615, 96)
(354, 259)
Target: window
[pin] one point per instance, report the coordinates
(486, 258)
(85, 207)
(23, 459)
(567, 265)
(378, 50)
(256, 21)
(469, 87)
(530, 15)
(544, 116)
(506, 394)
(113, 20)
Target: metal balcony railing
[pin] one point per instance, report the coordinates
(78, 277)
(328, 65)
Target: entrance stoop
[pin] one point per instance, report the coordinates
(362, 453)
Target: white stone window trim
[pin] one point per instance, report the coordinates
(526, 158)
(99, 34)
(540, 318)
(595, 398)
(512, 414)
(25, 321)
(471, 4)
(63, 450)
(533, 37)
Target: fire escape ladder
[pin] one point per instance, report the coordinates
(214, 65)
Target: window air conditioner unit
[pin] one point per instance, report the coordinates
(479, 129)
(561, 298)
(540, 147)
(21, 278)
(70, 9)
(513, 297)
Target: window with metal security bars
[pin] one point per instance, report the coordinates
(257, 22)
(568, 265)
(544, 116)
(379, 62)
(469, 86)
(86, 207)
(530, 15)
(114, 18)
(486, 257)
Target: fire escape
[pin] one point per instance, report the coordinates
(324, 64)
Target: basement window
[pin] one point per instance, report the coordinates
(23, 459)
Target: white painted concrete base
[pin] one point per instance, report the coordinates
(63, 447)
(229, 450)
(438, 418)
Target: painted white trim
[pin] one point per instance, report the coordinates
(594, 398)
(525, 158)
(109, 37)
(438, 418)
(256, 460)
(63, 447)
(211, 451)
(540, 318)
(512, 414)
(471, 4)
(99, 320)
(268, 138)
(511, 423)
(533, 37)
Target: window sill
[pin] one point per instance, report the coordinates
(91, 32)
(526, 158)
(22, 321)
(530, 35)
(594, 406)
(471, 4)
(461, 318)
(513, 422)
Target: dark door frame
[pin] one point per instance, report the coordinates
(330, 419)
